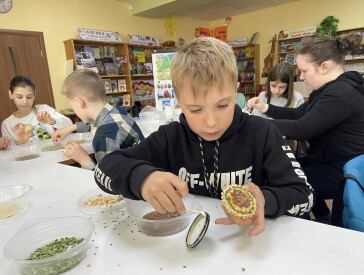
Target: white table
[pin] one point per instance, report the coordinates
(288, 245)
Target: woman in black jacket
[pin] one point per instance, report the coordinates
(332, 120)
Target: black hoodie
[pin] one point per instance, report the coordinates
(332, 120)
(251, 150)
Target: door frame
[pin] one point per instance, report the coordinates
(44, 55)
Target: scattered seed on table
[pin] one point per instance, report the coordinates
(88, 265)
(184, 266)
(242, 269)
(118, 265)
(161, 268)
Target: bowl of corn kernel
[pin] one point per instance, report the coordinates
(96, 201)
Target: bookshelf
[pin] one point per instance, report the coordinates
(140, 57)
(248, 63)
(354, 61)
(121, 75)
(288, 49)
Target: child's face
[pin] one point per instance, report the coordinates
(23, 98)
(277, 88)
(209, 117)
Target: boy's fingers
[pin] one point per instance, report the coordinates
(256, 230)
(167, 202)
(225, 221)
(176, 201)
(180, 185)
(156, 205)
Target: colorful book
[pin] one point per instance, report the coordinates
(121, 85)
(126, 100)
(114, 85)
(110, 68)
(107, 84)
(118, 100)
(110, 100)
(100, 67)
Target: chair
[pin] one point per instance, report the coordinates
(352, 187)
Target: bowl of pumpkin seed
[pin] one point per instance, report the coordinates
(50, 246)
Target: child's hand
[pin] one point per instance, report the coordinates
(4, 143)
(60, 134)
(257, 220)
(257, 103)
(45, 118)
(76, 152)
(159, 189)
(21, 135)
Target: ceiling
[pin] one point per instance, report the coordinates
(208, 10)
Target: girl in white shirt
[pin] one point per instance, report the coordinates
(43, 118)
(279, 89)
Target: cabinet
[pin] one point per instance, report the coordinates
(113, 58)
(248, 63)
(354, 61)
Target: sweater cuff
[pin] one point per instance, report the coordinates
(271, 205)
(89, 165)
(82, 127)
(138, 176)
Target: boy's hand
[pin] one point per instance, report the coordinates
(20, 133)
(60, 134)
(159, 189)
(45, 118)
(4, 143)
(76, 152)
(257, 220)
(258, 104)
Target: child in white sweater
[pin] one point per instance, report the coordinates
(279, 89)
(43, 118)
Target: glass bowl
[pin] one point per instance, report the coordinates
(38, 233)
(79, 138)
(97, 201)
(137, 209)
(26, 152)
(13, 199)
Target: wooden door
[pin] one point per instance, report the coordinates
(23, 53)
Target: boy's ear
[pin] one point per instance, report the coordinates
(81, 101)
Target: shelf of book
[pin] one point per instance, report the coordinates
(110, 60)
(142, 75)
(248, 63)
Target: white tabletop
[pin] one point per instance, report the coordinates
(288, 245)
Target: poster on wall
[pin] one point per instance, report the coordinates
(297, 33)
(143, 89)
(96, 35)
(164, 93)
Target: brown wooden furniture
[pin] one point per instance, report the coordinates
(120, 49)
(248, 62)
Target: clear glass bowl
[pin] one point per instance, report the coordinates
(13, 199)
(137, 209)
(38, 233)
(26, 152)
(87, 202)
(79, 138)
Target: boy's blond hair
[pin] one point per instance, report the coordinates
(203, 63)
(86, 83)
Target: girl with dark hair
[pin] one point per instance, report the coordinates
(332, 120)
(279, 89)
(30, 122)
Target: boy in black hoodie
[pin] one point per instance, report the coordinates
(214, 145)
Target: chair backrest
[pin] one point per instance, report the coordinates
(353, 196)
